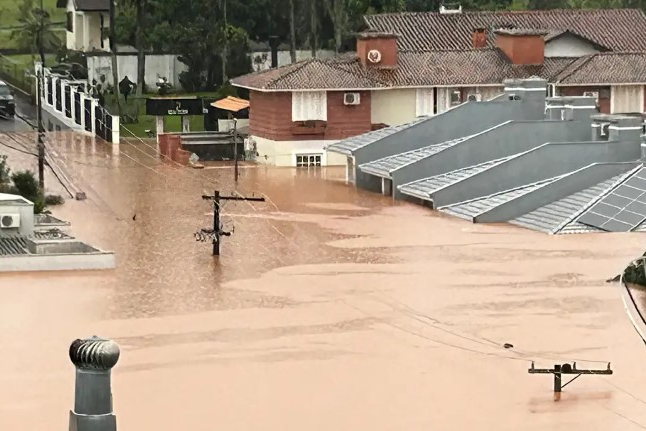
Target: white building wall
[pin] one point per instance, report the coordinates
(393, 107)
(283, 153)
(568, 46)
(261, 60)
(626, 99)
(157, 66)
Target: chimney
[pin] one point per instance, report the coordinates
(273, 45)
(377, 49)
(479, 37)
(522, 46)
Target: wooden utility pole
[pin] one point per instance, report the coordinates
(115, 65)
(216, 233)
(558, 372)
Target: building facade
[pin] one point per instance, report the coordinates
(87, 24)
(398, 75)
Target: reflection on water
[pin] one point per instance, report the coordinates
(330, 308)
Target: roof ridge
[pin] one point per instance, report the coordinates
(504, 12)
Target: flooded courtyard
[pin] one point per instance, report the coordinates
(329, 309)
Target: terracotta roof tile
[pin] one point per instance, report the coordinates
(606, 68)
(616, 29)
(415, 69)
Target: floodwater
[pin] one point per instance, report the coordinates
(329, 309)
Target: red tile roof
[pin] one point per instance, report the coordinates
(616, 29)
(605, 68)
(415, 69)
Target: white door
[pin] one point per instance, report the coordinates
(626, 98)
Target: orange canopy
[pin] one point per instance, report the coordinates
(231, 103)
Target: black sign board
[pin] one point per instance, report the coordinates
(174, 106)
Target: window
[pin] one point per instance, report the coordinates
(309, 105)
(456, 97)
(307, 160)
(70, 22)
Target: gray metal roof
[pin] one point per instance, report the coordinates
(51, 234)
(559, 216)
(425, 187)
(474, 207)
(13, 245)
(621, 210)
(383, 167)
(350, 145)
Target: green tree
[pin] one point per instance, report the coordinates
(26, 185)
(35, 28)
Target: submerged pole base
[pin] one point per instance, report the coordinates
(92, 422)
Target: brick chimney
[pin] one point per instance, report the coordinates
(522, 46)
(377, 49)
(479, 37)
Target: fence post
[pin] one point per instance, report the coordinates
(73, 91)
(82, 99)
(63, 98)
(94, 359)
(115, 129)
(95, 103)
(54, 92)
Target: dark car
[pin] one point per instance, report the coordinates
(7, 104)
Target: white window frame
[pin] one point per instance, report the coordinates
(308, 160)
(425, 102)
(309, 105)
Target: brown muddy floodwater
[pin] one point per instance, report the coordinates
(329, 309)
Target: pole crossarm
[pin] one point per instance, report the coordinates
(566, 369)
(216, 232)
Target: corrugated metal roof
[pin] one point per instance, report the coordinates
(350, 145)
(425, 187)
(383, 167)
(231, 103)
(559, 215)
(472, 208)
(14, 245)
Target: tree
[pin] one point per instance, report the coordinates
(140, 6)
(35, 28)
(292, 32)
(5, 173)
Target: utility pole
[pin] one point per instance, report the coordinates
(235, 149)
(216, 233)
(39, 102)
(113, 48)
(558, 372)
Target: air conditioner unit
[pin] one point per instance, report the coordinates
(475, 97)
(351, 99)
(9, 221)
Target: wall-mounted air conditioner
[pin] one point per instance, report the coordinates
(9, 221)
(477, 97)
(351, 98)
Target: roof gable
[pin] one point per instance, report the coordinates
(559, 34)
(615, 29)
(86, 5)
(606, 68)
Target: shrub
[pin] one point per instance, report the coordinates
(25, 184)
(53, 200)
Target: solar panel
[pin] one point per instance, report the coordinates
(623, 209)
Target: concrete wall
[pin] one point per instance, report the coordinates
(566, 186)
(502, 141)
(261, 60)
(283, 153)
(164, 66)
(26, 212)
(393, 107)
(466, 119)
(545, 162)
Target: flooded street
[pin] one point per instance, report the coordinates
(329, 309)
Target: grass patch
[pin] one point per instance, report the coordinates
(171, 124)
(9, 17)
